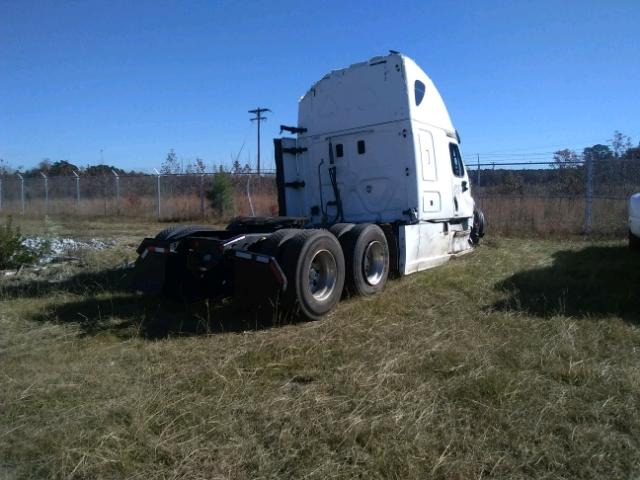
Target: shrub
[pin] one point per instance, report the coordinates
(221, 194)
(12, 251)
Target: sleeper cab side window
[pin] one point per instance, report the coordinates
(418, 90)
(361, 149)
(456, 160)
(339, 150)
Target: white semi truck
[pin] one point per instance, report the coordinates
(634, 221)
(372, 185)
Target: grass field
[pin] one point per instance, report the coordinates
(521, 360)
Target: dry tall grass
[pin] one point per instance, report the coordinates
(540, 216)
(173, 207)
(516, 361)
(506, 214)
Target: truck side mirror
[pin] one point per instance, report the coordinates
(464, 186)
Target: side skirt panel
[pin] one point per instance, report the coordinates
(427, 245)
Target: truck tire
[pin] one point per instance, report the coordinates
(314, 266)
(339, 229)
(178, 231)
(477, 230)
(634, 242)
(366, 254)
(273, 242)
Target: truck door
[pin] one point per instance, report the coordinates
(430, 193)
(462, 200)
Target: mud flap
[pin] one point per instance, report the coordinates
(257, 279)
(150, 273)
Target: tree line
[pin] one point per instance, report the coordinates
(615, 170)
(62, 168)
(171, 165)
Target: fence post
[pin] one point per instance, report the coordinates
(46, 193)
(117, 191)
(253, 213)
(158, 192)
(588, 204)
(202, 196)
(77, 178)
(21, 191)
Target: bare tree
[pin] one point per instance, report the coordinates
(196, 168)
(565, 158)
(171, 164)
(200, 167)
(620, 143)
(569, 180)
(5, 168)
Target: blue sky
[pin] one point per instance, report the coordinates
(138, 78)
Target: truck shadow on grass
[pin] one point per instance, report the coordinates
(83, 283)
(135, 316)
(107, 304)
(592, 282)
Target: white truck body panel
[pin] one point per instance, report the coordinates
(384, 128)
(634, 214)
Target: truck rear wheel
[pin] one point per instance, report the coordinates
(273, 242)
(314, 266)
(339, 229)
(366, 253)
(178, 231)
(477, 230)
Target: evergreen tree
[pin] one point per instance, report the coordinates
(221, 193)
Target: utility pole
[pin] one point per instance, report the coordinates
(259, 118)
(588, 204)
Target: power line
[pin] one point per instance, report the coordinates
(513, 154)
(523, 153)
(543, 147)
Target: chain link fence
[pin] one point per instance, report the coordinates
(580, 197)
(162, 197)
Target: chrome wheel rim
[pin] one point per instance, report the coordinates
(322, 275)
(373, 263)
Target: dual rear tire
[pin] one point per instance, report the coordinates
(319, 265)
(366, 253)
(313, 263)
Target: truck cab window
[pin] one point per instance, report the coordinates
(339, 150)
(360, 147)
(419, 89)
(456, 160)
